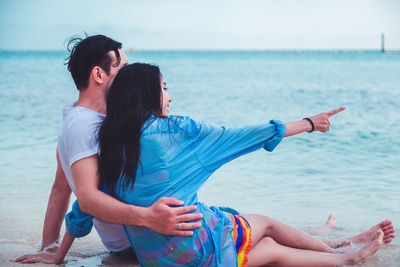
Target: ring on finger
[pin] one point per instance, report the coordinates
(179, 226)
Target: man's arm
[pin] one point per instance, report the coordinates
(160, 216)
(56, 207)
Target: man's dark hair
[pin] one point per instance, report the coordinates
(88, 52)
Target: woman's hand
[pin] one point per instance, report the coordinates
(44, 257)
(321, 121)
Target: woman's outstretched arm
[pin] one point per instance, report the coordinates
(320, 121)
(217, 145)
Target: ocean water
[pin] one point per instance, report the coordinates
(353, 171)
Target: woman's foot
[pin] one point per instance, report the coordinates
(367, 251)
(386, 227)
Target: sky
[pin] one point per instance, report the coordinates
(203, 24)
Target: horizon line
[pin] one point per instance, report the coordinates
(133, 50)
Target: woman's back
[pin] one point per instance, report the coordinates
(169, 168)
(178, 154)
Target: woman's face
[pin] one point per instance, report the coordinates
(166, 99)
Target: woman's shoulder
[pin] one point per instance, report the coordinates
(172, 124)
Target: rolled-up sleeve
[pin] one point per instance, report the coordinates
(78, 223)
(218, 145)
(277, 137)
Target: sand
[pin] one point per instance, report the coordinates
(9, 252)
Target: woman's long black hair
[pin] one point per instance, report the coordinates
(132, 98)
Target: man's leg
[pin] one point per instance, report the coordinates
(326, 228)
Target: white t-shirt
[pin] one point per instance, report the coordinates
(77, 139)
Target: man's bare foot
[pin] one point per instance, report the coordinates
(324, 229)
(368, 250)
(339, 244)
(386, 227)
(331, 222)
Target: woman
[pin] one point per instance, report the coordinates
(146, 154)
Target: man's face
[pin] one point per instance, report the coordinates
(114, 69)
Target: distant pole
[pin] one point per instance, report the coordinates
(383, 43)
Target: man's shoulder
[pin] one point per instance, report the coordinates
(77, 113)
(77, 137)
(79, 125)
(80, 119)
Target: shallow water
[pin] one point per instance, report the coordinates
(352, 171)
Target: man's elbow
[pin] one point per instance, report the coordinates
(83, 205)
(85, 201)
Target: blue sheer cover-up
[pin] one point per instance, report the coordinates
(178, 154)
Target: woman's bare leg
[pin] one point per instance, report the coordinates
(262, 226)
(268, 252)
(386, 227)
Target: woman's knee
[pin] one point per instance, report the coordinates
(269, 225)
(262, 225)
(267, 242)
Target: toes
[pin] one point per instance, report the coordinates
(385, 223)
(387, 239)
(331, 220)
(387, 228)
(346, 243)
(389, 231)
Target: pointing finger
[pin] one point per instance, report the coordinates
(335, 111)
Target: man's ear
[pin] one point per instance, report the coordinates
(98, 74)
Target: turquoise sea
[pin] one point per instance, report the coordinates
(353, 171)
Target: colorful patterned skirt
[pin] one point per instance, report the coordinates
(242, 237)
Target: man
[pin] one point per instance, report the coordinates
(93, 63)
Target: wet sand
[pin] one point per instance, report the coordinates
(98, 256)
(9, 252)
